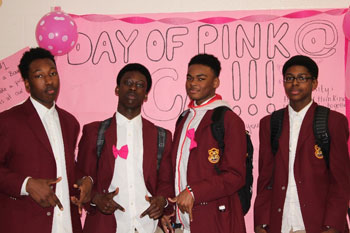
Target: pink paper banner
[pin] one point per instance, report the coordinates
(12, 89)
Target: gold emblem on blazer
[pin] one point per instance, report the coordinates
(214, 156)
(318, 152)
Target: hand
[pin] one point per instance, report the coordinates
(41, 191)
(105, 203)
(166, 223)
(330, 230)
(156, 208)
(85, 186)
(184, 201)
(260, 229)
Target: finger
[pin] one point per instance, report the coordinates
(148, 198)
(75, 186)
(169, 227)
(74, 200)
(144, 213)
(58, 203)
(172, 200)
(165, 226)
(55, 181)
(113, 194)
(117, 206)
(190, 213)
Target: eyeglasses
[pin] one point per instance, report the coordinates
(300, 79)
(130, 83)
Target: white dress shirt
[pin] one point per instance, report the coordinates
(183, 152)
(128, 176)
(62, 222)
(292, 218)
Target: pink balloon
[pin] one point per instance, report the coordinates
(56, 32)
(346, 25)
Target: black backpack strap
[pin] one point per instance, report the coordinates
(218, 129)
(181, 116)
(101, 136)
(161, 144)
(276, 124)
(320, 127)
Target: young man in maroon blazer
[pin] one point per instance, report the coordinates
(38, 141)
(127, 192)
(296, 191)
(206, 200)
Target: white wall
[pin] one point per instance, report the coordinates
(18, 18)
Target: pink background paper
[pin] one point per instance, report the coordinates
(251, 45)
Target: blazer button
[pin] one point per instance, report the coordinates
(283, 187)
(48, 213)
(279, 210)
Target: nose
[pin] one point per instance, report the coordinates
(48, 79)
(133, 86)
(294, 82)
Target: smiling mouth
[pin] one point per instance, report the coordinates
(193, 91)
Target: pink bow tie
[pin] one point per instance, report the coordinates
(122, 152)
(190, 135)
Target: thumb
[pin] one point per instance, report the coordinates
(115, 193)
(149, 199)
(172, 200)
(54, 181)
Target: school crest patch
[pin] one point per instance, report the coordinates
(214, 156)
(318, 152)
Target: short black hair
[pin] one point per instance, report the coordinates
(207, 60)
(136, 67)
(300, 60)
(30, 56)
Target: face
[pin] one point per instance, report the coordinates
(43, 81)
(201, 83)
(299, 93)
(131, 91)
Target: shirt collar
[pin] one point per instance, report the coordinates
(41, 109)
(122, 120)
(301, 113)
(192, 104)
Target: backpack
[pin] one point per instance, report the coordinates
(161, 139)
(320, 129)
(218, 132)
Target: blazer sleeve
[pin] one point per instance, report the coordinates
(10, 181)
(165, 183)
(87, 155)
(232, 166)
(263, 199)
(339, 178)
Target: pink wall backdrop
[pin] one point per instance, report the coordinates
(251, 45)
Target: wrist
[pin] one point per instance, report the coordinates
(189, 190)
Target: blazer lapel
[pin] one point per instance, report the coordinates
(67, 141)
(150, 148)
(306, 127)
(35, 124)
(284, 141)
(110, 140)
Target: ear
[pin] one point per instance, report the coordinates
(116, 91)
(146, 98)
(216, 82)
(314, 84)
(27, 85)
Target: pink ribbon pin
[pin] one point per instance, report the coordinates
(190, 135)
(122, 152)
